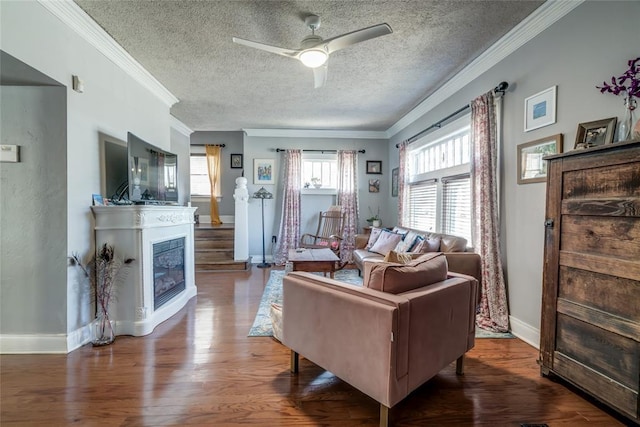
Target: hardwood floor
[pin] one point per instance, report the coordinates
(200, 368)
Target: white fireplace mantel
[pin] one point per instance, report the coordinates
(132, 231)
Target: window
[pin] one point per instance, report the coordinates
(439, 190)
(200, 185)
(320, 171)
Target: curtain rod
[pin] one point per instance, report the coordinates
(501, 88)
(317, 151)
(217, 145)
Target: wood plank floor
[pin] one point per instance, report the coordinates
(200, 368)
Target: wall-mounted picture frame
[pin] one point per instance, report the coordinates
(540, 109)
(531, 166)
(394, 182)
(264, 171)
(236, 161)
(596, 133)
(374, 186)
(374, 167)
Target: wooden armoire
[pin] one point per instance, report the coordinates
(590, 329)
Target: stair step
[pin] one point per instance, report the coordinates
(214, 233)
(204, 244)
(223, 266)
(214, 255)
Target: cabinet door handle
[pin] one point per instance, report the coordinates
(548, 223)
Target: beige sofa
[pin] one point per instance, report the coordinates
(383, 344)
(459, 257)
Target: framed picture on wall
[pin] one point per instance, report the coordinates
(236, 161)
(264, 171)
(374, 167)
(374, 186)
(531, 166)
(540, 109)
(394, 182)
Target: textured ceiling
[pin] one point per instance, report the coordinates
(186, 45)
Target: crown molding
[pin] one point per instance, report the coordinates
(180, 127)
(77, 19)
(541, 19)
(316, 133)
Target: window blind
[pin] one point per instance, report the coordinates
(200, 184)
(422, 205)
(456, 206)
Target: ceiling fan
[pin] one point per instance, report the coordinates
(314, 51)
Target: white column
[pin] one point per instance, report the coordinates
(241, 242)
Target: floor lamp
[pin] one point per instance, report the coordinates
(263, 194)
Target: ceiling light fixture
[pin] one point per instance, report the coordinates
(313, 58)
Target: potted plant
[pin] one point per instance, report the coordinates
(627, 85)
(317, 182)
(374, 219)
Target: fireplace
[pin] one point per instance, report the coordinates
(168, 271)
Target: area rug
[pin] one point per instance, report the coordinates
(273, 294)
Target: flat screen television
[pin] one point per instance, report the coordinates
(153, 173)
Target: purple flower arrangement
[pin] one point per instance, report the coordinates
(629, 82)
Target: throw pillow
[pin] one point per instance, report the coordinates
(398, 257)
(375, 233)
(395, 279)
(453, 244)
(407, 242)
(427, 245)
(386, 242)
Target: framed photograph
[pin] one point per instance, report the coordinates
(374, 167)
(394, 182)
(374, 186)
(531, 166)
(264, 171)
(236, 161)
(97, 200)
(593, 134)
(540, 109)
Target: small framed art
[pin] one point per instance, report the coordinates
(264, 171)
(236, 161)
(374, 186)
(531, 166)
(540, 109)
(394, 182)
(593, 134)
(374, 167)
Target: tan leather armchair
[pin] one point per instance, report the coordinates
(383, 344)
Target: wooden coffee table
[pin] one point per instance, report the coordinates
(320, 260)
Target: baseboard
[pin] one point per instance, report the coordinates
(257, 259)
(226, 219)
(33, 344)
(525, 332)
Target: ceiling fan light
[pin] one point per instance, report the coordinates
(313, 58)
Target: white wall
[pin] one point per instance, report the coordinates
(589, 45)
(264, 148)
(112, 103)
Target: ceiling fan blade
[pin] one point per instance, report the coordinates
(345, 40)
(290, 53)
(320, 76)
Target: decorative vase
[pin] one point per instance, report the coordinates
(103, 330)
(626, 129)
(376, 223)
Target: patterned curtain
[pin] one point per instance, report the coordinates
(403, 179)
(493, 312)
(213, 164)
(348, 199)
(289, 234)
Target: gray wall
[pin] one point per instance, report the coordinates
(264, 148)
(33, 219)
(233, 145)
(589, 45)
